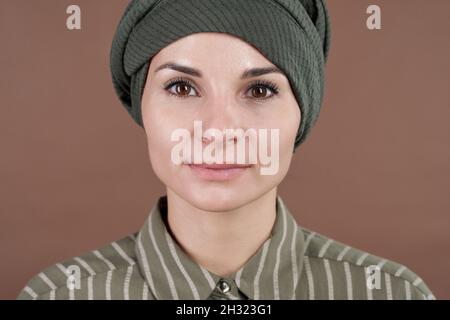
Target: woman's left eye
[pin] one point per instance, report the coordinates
(262, 90)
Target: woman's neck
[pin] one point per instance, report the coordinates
(221, 242)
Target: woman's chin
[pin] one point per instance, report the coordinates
(218, 200)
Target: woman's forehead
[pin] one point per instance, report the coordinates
(212, 49)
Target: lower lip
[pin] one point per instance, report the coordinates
(217, 174)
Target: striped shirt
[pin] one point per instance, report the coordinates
(293, 263)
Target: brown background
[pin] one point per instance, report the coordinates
(374, 173)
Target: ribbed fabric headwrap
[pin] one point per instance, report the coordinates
(293, 34)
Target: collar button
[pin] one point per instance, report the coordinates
(224, 286)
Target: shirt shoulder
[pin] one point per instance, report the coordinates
(85, 273)
(357, 274)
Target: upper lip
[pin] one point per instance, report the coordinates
(217, 166)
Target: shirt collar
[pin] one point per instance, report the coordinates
(271, 273)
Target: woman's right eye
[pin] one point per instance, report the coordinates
(181, 89)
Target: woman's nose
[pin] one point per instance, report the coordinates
(221, 112)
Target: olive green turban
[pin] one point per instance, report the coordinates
(293, 34)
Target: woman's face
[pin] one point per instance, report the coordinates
(214, 88)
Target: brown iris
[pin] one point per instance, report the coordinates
(259, 92)
(182, 89)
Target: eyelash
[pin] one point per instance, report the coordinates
(257, 83)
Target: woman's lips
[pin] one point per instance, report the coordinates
(218, 172)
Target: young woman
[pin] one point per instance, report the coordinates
(188, 71)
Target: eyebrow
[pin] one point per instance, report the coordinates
(249, 73)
